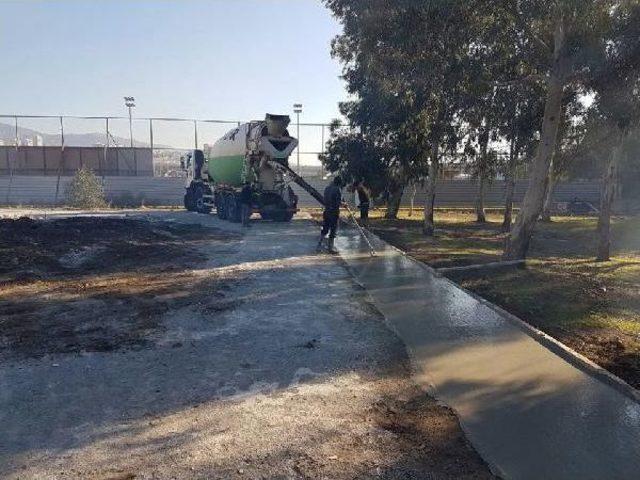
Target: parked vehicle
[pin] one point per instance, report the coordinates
(256, 152)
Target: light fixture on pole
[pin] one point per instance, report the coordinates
(297, 108)
(130, 103)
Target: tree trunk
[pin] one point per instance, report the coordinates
(548, 199)
(518, 242)
(414, 190)
(606, 200)
(428, 227)
(482, 176)
(510, 188)
(480, 215)
(393, 202)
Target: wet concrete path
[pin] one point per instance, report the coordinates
(529, 412)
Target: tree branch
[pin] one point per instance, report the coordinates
(522, 23)
(533, 77)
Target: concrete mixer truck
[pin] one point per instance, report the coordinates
(256, 152)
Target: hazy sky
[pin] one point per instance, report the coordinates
(228, 59)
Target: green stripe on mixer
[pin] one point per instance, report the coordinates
(227, 169)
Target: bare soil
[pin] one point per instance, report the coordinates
(137, 349)
(96, 284)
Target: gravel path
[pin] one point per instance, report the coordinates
(288, 373)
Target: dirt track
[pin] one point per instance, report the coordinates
(171, 346)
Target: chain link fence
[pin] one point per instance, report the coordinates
(121, 146)
(138, 159)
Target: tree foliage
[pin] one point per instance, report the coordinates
(85, 190)
(497, 83)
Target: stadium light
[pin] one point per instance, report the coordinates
(130, 103)
(297, 109)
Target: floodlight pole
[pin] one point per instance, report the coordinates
(297, 108)
(322, 154)
(130, 103)
(195, 133)
(130, 128)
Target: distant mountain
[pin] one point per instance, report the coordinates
(7, 134)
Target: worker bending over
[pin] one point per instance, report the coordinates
(331, 214)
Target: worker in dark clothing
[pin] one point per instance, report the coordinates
(246, 200)
(331, 214)
(362, 195)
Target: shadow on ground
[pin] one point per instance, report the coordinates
(245, 356)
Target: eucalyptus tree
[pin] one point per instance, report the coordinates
(381, 155)
(493, 60)
(481, 130)
(418, 53)
(520, 107)
(382, 144)
(617, 87)
(563, 36)
(569, 144)
(378, 142)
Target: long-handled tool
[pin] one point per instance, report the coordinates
(315, 194)
(361, 230)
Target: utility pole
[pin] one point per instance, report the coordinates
(130, 103)
(297, 108)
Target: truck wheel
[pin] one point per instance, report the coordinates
(233, 208)
(282, 216)
(189, 204)
(221, 206)
(200, 206)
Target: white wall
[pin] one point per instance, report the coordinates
(40, 190)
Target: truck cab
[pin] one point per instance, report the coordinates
(198, 195)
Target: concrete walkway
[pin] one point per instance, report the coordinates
(529, 413)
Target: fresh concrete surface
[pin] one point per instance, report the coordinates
(528, 412)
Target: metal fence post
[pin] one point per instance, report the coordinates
(61, 164)
(322, 153)
(151, 145)
(135, 162)
(17, 138)
(106, 148)
(151, 134)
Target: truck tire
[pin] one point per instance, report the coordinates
(233, 209)
(287, 217)
(189, 203)
(221, 206)
(282, 216)
(200, 205)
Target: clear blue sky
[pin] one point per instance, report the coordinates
(234, 59)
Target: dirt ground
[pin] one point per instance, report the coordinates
(172, 345)
(96, 284)
(592, 307)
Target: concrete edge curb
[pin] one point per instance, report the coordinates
(576, 359)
